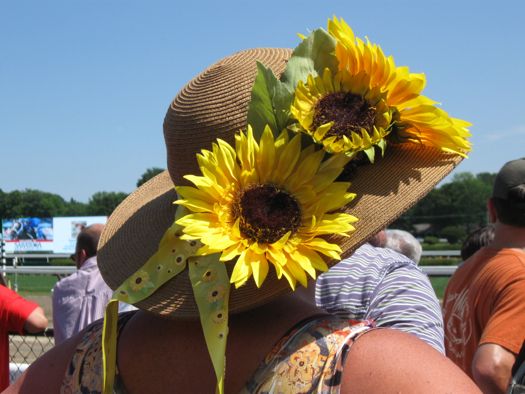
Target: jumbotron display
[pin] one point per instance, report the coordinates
(50, 235)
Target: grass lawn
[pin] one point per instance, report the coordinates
(439, 283)
(42, 284)
(33, 283)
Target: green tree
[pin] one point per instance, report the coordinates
(2, 203)
(487, 178)
(31, 203)
(454, 234)
(468, 197)
(150, 173)
(103, 203)
(75, 208)
(461, 202)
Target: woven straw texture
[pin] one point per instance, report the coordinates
(214, 105)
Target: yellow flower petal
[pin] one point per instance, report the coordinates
(393, 95)
(296, 183)
(259, 266)
(241, 272)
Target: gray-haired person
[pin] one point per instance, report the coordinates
(381, 283)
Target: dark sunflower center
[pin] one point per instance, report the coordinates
(267, 213)
(349, 112)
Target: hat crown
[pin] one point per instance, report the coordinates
(214, 105)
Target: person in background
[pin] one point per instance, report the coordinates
(476, 240)
(16, 315)
(403, 242)
(484, 303)
(81, 298)
(381, 281)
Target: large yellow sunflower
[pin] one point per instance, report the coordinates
(267, 202)
(371, 78)
(342, 113)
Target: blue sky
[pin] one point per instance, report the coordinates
(84, 86)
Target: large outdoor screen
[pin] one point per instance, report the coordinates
(55, 235)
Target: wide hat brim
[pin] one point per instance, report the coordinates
(384, 189)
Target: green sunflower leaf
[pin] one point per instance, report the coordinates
(370, 153)
(315, 53)
(270, 103)
(382, 146)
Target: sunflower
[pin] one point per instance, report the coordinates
(374, 91)
(267, 203)
(342, 113)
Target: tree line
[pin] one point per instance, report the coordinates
(450, 211)
(36, 203)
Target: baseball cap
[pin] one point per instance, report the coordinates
(511, 175)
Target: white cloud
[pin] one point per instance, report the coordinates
(512, 132)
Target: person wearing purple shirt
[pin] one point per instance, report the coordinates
(385, 286)
(81, 298)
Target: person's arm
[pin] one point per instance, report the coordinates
(503, 334)
(491, 368)
(22, 315)
(386, 361)
(36, 321)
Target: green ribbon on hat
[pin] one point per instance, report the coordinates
(211, 289)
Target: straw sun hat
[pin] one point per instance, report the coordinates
(215, 105)
(403, 142)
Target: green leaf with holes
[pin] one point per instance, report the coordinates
(315, 53)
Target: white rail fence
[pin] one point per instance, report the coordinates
(16, 268)
(430, 270)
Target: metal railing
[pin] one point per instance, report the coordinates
(46, 256)
(439, 270)
(45, 269)
(25, 349)
(441, 253)
(430, 270)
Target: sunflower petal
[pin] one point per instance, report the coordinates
(241, 271)
(216, 208)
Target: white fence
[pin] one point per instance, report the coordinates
(16, 268)
(430, 270)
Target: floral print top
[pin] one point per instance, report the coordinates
(308, 359)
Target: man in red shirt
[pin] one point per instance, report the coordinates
(16, 315)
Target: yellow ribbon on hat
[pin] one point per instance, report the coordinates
(211, 289)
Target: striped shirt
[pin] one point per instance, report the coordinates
(385, 286)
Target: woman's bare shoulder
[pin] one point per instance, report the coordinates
(388, 360)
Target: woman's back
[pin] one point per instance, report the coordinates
(163, 356)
